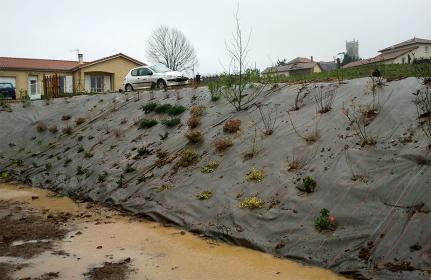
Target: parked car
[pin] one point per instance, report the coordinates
(156, 76)
(7, 90)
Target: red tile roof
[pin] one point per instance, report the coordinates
(13, 63)
(407, 43)
(381, 57)
(36, 64)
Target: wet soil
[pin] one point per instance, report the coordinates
(45, 236)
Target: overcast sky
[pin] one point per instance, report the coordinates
(279, 28)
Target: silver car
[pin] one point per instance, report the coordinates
(156, 76)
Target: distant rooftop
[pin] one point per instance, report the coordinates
(407, 43)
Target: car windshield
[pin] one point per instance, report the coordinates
(160, 68)
(6, 85)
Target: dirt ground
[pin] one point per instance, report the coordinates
(44, 236)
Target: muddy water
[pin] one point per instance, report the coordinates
(156, 252)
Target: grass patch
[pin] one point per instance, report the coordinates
(149, 107)
(188, 157)
(171, 122)
(147, 123)
(194, 136)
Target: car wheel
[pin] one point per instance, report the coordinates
(161, 84)
(129, 87)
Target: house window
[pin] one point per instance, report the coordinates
(96, 83)
(404, 60)
(427, 49)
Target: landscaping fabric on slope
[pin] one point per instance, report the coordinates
(380, 194)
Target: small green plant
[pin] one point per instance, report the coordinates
(308, 185)
(40, 126)
(149, 107)
(204, 195)
(120, 181)
(82, 171)
(129, 168)
(4, 175)
(171, 122)
(194, 136)
(80, 149)
(164, 136)
(232, 125)
(210, 167)
(324, 221)
(176, 110)
(143, 151)
(252, 203)
(147, 123)
(188, 157)
(88, 155)
(102, 177)
(255, 175)
(163, 108)
(66, 117)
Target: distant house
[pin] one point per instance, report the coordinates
(102, 75)
(297, 67)
(403, 53)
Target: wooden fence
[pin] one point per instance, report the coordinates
(51, 86)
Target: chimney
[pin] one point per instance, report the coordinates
(311, 58)
(80, 58)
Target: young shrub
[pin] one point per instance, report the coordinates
(325, 221)
(215, 89)
(268, 116)
(255, 175)
(147, 123)
(193, 122)
(204, 195)
(143, 151)
(210, 167)
(67, 130)
(165, 187)
(171, 122)
(252, 203)
(177, 110)
(194, 136)
(164, 136)
(80, 149)
(82, 171)
(48, 167)
(53, 129)
(88, 155)
(80, 120)
(359, 122)
(423, 108)
(120, 181)
(66, 117)
(308, 185)
(197, 111)
(102, 177)
(149, 107)
(324, 99)
(188, 157)
(40, 126)
(232, 125)
(163, 108)
(222, 144)
(129, 168)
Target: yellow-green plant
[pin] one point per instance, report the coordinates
(255, 175)
(204, 195)
(210, 168)
(252, 202)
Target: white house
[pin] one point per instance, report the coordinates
(403, 53)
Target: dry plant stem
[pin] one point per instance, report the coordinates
(358, 121)
(423, 108)
(299, 99)
(311, 137)
(268, 117)
(324, 99)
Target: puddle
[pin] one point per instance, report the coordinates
(156, 252)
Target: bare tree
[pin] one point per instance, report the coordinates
(239, 89)
(170, 47)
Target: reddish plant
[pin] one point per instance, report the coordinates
(222, 144)
(232, 125)
(194, 122)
